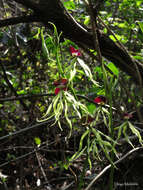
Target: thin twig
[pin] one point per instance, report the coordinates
(68, 186)
(41, 168)
(26, 129)
(18, 158)
(27, 96)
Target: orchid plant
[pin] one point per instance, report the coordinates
(65, 105)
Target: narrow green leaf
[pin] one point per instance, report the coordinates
(46, 119)
(141, 26)
(66, 116)
(55, 101)
(77, 154)
(113, 68)
(95, 150)
(44, 47)
(72, 73)
(135, 131)
(82, 138)
(126, 136)
(48, 110)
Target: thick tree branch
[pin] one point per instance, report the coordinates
(53, 11)
(28, 3)
(17, 20)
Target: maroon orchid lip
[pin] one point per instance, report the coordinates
(90, 119)
(57, 90)
(74, 52)
(60, 84)
(127, 115)
(100, 100)
(87, 120)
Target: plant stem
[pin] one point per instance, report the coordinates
(81, 180)
(59, 63)
(111, 178)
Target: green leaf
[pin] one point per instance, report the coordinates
(48, 111)
(44, 47)
(66, 116)
(20, 92)
(55, 102)
(113, 68)
(118, 37)
(56, 36)
(37, 140)
(82, 138)
(72, 73)
(135, 131)
(77, 154)
(95, 151)
(126, 136)
(91, 108)
(70, 5)
(120, 131)
(141, 26)
(87, 20)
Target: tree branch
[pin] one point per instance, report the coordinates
(28, 3)
(17, 20)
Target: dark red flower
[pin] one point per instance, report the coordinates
(60, 84)
(100, 100)
(127, 115)
(74, 52)
(87, 119)
(90, 119)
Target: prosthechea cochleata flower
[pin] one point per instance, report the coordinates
(127, 116)
(87, 119)
(60, 84)
(74, 52)
(100, 100)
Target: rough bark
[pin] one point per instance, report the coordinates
(53, 11)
